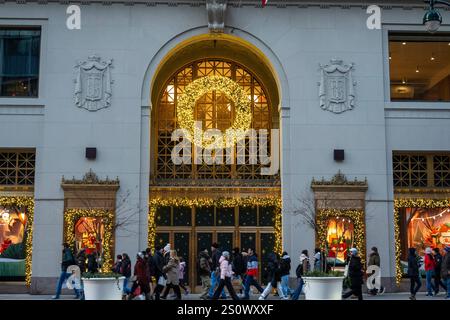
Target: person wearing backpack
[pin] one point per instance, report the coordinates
(67, 260)
(302, 268)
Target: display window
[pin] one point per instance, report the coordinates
(427, 228)
(89, 234)
(340, 237)
(13, 226)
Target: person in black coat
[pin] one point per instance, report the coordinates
(238, 263)
(158, 264)
(437, 271)
(92, 265)
(355, 274)
(413, 272)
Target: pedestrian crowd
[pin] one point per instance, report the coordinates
(157, 272)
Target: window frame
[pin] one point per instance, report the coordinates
(388, 29)
(42, 25)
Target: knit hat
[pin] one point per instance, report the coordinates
(353, 251)
(141, 255)
(226, 254)
(428, 250)
(167, 248)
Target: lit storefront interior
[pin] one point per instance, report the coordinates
(419, 67)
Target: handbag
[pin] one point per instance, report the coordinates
(346, 271)
(162, 281)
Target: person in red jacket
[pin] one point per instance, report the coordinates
(430, 265)
(140, 272)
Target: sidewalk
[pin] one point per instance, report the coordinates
(386, 296)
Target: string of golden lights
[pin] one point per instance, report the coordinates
(275, 202)
(194, 91)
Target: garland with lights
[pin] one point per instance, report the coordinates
(410, 203)
(275, 202)
(195, 90)
(71, 216)
(28, 204)
(355, 216)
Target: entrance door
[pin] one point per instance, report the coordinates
(192, 229)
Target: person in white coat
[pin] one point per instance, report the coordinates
(225, 277)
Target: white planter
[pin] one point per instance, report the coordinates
(323, 288)
(103, 288)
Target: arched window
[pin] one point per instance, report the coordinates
(216, 111)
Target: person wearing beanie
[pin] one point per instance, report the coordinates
(355, 273)
(302, 269)
(430, 264)
(445, 270)
(225, 277)
(160, 276)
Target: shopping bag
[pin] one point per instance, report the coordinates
(162, 281)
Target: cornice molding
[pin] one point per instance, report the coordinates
(280, 4)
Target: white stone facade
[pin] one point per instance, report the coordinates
(295, 39)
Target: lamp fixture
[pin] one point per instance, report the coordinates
(417, 70)
(432, 19)
(432, 57)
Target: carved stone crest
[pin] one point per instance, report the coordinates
(93, 84)
(337, 87)
(216, 14)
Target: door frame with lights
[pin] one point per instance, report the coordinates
(265, 233)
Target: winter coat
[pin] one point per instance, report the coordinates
(438, 263)
(92, 265)
(413, 263)
(182, 267)
(252, 266)
(204, 268)
(215, 257)
(285, 265)
(125, 268)
(150, 267)
(238, 264)
(374, 259)
(303, 266)
(225, 268)
(429, 262)
(355, 272)
(445, 268)
(81, 261)
(172, 270)
(140, 271)
(158, 260)
(67, 259)
(117, 266)
(317, 261)
(273, 269)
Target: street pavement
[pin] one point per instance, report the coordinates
(385, 296)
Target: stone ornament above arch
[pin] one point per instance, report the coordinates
(93, 83)
(337, 92)
(199, 33)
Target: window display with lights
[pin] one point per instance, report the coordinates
(427, 228)
(339, 238)
(13, 233)
(89, 234)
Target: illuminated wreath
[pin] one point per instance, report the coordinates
(196, 89)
